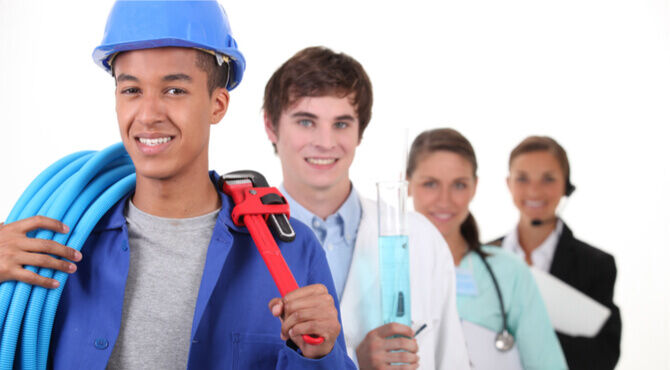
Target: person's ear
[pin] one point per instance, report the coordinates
(270, 130)
(358, 133)
(220, 101)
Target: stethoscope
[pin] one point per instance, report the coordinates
(504, 340)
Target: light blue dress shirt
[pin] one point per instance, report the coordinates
(337, 233)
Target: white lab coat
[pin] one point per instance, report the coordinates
(432, 289)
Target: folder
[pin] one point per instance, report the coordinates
(571, 312)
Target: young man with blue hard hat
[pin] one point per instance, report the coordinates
(316, 108)
(134, 300)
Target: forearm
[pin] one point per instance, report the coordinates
(290, 358)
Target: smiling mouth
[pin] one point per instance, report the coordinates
(154, 141)
(443, 216)
(320, 161)
(534, 203)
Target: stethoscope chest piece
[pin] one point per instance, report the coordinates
(504, 341)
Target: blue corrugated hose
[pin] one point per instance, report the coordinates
(77, 190)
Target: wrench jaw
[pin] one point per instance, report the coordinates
(257, 180)
(246, 180)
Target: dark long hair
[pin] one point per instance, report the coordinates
(448, 140)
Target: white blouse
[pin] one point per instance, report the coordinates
(543, 255)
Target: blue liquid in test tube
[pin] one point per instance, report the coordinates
(394, 252)
(394, 273)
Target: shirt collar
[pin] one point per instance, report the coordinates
(548, 246)
(115, 219)
(349, 212)
(544, 252)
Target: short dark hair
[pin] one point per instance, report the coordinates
(545, 144)
(217, 76)
(448, 140)
(319, 71)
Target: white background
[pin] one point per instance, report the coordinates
(594, 74)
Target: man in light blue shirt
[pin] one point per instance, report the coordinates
(337, 233)
(316, 108)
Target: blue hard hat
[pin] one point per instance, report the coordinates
(201, 24)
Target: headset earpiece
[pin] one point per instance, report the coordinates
(569, 188)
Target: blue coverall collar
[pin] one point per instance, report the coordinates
(115, 219)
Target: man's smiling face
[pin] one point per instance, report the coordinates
(164, 111)
(316, 139)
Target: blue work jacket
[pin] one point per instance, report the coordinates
(232, 325)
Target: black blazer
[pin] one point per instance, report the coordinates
(592, 272)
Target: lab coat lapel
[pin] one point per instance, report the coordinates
(361, 299)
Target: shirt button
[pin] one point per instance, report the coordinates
(124, 246)
(101, 343)
(316, 223)
(330, 247)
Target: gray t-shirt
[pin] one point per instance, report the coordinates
(167, 257)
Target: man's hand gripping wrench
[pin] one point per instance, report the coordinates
(256, 206)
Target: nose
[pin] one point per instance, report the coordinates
(151, 110)
(534, 188)
(443, 196)
(324, 137)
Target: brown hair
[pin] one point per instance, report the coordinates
(448, 140)
(319, 71)
(545, 144)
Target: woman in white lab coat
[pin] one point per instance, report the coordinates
(505, 322)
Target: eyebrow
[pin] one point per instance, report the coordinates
(173, 77)
(178, 77)
(432, 178)
(302, 114)
(346, 117)
(124, 77)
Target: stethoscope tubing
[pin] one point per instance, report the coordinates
(503, 334)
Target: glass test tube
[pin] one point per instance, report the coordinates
(394, 252)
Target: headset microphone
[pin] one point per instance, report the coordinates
(539, 221)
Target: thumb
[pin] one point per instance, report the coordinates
(276, 306)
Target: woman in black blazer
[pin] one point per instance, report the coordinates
(539, 178)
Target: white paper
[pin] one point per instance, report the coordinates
(571, 312)
(483, 353)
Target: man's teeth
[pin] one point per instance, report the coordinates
(155, 141)
(321, 161)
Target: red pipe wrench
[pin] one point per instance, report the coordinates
(256, 207)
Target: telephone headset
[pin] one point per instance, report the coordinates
(569, 189)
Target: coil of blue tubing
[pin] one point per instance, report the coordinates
(77, 190)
